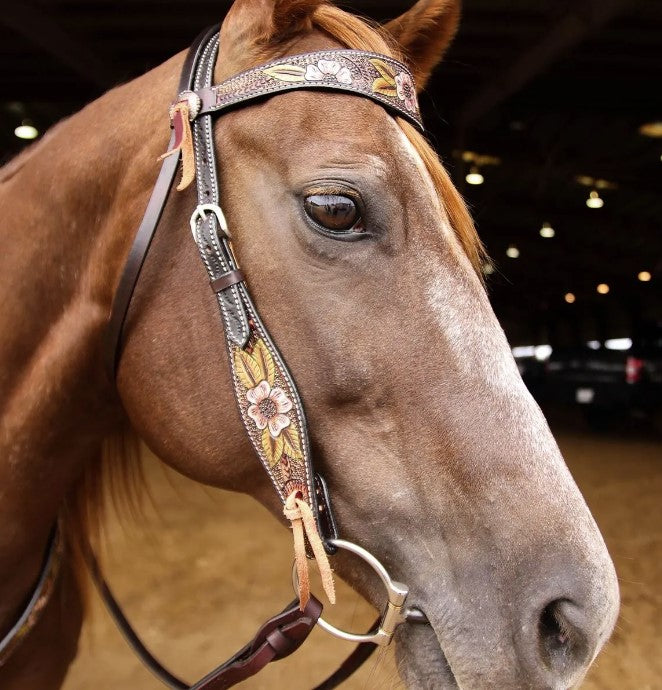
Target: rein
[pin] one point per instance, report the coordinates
(267, 397)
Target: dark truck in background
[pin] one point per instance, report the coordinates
(608, 383)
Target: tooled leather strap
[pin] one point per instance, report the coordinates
(268, 400)
(371, 75)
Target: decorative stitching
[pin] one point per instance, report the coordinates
(372, 75)
(208, 232)
(289, 471)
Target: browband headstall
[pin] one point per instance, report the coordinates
(371, 75)
(268, 401)
(267, 397)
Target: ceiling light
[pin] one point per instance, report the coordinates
(488, 268)
(542, 352)
(547, 230)
(603, 288)
(618, 343)
(644, 276)
(474, 176)
(524, 351)
(651, 129)
(595, 182)
(512, 252)
(569, 298)
(594, 200)
(26, 131)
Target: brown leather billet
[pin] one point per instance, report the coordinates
(41, 595)
(279, 637)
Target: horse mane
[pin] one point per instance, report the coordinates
(117, 476)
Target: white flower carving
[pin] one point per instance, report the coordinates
(267, 407)
(406, 91)
(328, 68)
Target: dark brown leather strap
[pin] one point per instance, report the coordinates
(277, 638)
(227, 280)
(149, 223)
(40, 597)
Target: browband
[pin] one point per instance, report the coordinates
(378, 77)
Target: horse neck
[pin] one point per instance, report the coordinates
(70, 207)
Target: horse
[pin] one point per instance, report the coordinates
(437, 458)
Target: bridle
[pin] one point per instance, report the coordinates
(278, 431)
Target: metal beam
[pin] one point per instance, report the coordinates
(43, 31)
(569, 31)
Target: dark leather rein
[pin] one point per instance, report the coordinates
(259, 373)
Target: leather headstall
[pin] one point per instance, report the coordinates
(267, 397)
(268, 400)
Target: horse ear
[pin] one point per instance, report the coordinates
(253, 26)
(424, 32)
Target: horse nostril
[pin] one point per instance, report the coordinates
(563, 644)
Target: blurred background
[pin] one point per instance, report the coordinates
(548, 115)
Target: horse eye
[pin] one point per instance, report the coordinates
(334, 212)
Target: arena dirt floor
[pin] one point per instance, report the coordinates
(199, 576)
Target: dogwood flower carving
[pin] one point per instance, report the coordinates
(328, 68)
(393, 85)
(269, 406)
(406, 91)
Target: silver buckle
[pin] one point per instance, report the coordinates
(200, 213)
(394, 613)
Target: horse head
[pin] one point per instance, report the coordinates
(364, 264)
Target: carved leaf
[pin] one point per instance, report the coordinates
(273, 447)
(265, 361)
(284, 72)
(292, 442)
(380, 85)
(385, 70)
(248, 370)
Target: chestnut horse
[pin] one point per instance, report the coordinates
(437, 458)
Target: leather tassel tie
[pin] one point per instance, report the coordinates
(299, 513)
(179, 115)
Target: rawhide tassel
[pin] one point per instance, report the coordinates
(299, 513)
(179, 115)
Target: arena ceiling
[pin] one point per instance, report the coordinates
(546, 93)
